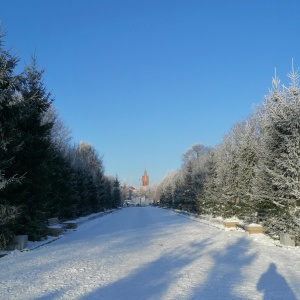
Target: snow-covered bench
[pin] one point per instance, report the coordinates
(231, 223)
(54, 227)
(250, 225)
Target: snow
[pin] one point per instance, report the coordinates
(234, 219)
(253, 225)
(152, 253)
(55, 226)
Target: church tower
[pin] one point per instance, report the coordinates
(145, 179)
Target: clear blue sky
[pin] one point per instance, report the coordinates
(142, 81)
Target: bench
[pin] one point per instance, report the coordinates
(54, 227)
(250, 225)
(230, 223)
(254, 228)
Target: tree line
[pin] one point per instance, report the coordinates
(254, 171)
(42, 174)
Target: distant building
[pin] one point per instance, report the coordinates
(145, 179)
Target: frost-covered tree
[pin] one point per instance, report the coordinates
(61, 194)
(192, 174)
(254, 171)
(60, 134)
(188, 196)
(168, 190)
(89, 190)
(246, 161)
(227, 169)
(94, 179)
(277, 186)
(41, 174)
(194, 153)
(229, 179)
(208, 201)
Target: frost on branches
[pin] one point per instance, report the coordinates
(254, 172)
(277, 180)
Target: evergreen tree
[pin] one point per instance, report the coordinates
(189, 194)
(107, 193)
(9, 114)
(247, 161)
(227, 170)
(8, 214)
(93, 166)
(277, 186)
(33, 159)
(61, 194)
(116, 194)
(208, 202)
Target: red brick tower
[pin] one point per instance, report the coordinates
(145, 179)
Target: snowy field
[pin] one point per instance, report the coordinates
(150, 253)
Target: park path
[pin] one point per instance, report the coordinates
(150, 253)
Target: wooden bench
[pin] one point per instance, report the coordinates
(254, 228)
(230, 223)
(250, 228)
(54, 227)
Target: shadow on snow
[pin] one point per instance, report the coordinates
(274, 286)
(226, 273)
(179, 266)
(156, 278)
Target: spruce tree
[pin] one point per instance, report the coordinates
(247, 161)
(277, 182)
(208, 202)
(9, 114)
(227, 175)
(33, 159)
(189, 194)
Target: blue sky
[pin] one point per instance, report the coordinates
(142, 81)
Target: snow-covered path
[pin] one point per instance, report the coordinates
(151, 253)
